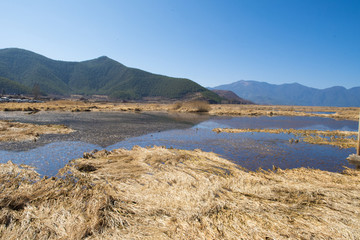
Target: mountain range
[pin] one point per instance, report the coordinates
(294, 94)
(21, 70)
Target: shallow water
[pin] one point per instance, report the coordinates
(99, 128)
(322, 112)
(183, 131)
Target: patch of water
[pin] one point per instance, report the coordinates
(250, 150)
(322, 112)
(50, 158)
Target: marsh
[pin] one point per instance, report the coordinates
(111, 130)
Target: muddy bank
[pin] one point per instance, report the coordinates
(99, 128)
(157, 193)
(348, 113)
(342, 139)
(15, 131)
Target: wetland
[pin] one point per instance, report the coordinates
(111, 130)
(160, 173)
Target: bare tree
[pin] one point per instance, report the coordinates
(36, 90)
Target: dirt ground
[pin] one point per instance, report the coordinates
(158, 193)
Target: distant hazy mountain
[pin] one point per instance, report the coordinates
(294, 94)
(231, 97)
(23, 69)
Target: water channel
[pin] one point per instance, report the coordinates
(111, 130)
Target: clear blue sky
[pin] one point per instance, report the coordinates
(312, 42)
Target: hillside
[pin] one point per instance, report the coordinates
(11, 87)
(294, 94)
(98, 76)
(231, 97)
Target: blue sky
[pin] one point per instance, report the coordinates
(312, 42)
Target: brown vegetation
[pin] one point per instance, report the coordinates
(15, 131)
(81, 106)
(342, 139)
(158, 193)
(350, 113)
(192, 106)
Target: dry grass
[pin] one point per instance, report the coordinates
(342, 139)
(15, 131)
(192, 106)
(159, 193)
(79, 106)
(351, 113)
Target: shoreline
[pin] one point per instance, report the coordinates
(340, 113)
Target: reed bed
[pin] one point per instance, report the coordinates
(192, 106)
(16, 131)
(349, 113)
(158, 193)
(340, 113)
(342, 139)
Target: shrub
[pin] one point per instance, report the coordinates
(197, 106)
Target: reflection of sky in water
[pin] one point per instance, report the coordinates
(49, 158)
(250, 150)
(286, 122)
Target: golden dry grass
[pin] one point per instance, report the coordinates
(15, 131)
(342, 139)
(192, 106)
(80, 106)
(349, 113)
(157, 193)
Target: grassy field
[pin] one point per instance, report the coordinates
(158, 193)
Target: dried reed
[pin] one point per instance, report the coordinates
(158, 193)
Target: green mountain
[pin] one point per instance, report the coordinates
(98, 76)
(11, 87)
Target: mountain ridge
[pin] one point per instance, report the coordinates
(294, 94)
(101, 75)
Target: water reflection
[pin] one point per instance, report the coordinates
(100, 128)
(288, 122)
(50, 158)
(189, 131)
(250, 150)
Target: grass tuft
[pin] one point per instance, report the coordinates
(192, 106)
